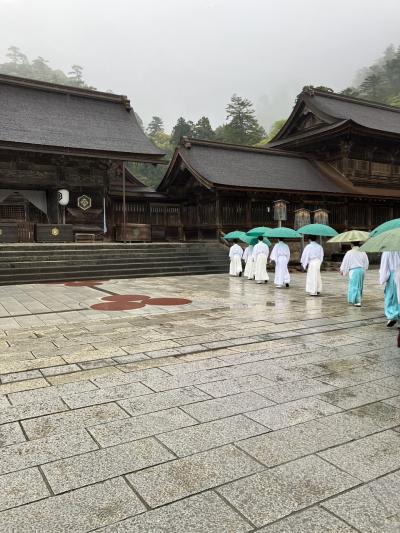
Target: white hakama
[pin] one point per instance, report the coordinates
(314, 280)
(236, 266)
(248, 258)
(281, 255)
(260, 256)
(235, 255)
(312, 257)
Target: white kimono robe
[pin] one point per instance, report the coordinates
(281, 255)
(248, 259)
(235, 255)
(354, 259)
(355, 263)
(311, 259)
(260, 257)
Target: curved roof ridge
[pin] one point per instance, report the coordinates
(350, 99)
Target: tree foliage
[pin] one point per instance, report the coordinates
(381, 81)
(203, 130)
(18, 64)
(156, 125)
(183, 128)
(242, 126)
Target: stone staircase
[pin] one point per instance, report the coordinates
(35, 263)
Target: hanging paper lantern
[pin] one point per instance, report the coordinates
(321, 216)
(280, 210)
(302, 217)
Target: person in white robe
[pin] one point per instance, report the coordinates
(388, 275)
(311, 260)
(235, 255)
(281, 255)
(355, 263)
(248, 259)
(260, 257)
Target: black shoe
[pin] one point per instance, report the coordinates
(391, 323)
(287, 285)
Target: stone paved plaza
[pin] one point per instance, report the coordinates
(249, 409)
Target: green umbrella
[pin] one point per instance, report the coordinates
(390, 224)
(321, 230)
(253, 240)
(353, 235)
(388, 241)
(256, 232)
(282, 233)
(234, 235)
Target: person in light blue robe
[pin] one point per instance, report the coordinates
(355, 263)
(390, 262)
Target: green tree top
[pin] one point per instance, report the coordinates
(183, 128)
(203, 129)
(18, 64)
(156, 125)
(242, 126)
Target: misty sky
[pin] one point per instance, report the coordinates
(187, 57)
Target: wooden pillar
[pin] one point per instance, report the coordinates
(218, 213)
(198, 218)
(248, 214)
(123, 204)
(369, 216)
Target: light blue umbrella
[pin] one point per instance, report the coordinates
(282, 233)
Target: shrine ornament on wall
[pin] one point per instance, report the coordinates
(84, 202)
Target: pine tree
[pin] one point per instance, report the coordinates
(181, 129)
(203, 129)
(242, 126)
(156, 125)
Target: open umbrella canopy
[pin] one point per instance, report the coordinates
(386, 226)
(282, 233)
(321, 230)
(353, 235)
(234, 235)
(256, 232)
(253, 240)
(388, 241)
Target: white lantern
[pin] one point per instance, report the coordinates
(63, 197)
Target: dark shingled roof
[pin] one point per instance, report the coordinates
(69, 119)
(367, 114)
(238, 166)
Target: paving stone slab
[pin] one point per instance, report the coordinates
(13, 413)
(291, 413)
(368, 457)
(357, 395)
(314, 520)
(300, 389)
(40, 451)
(131, 377)
(20, 376)
(203, 513)
(208, 410)
(372, 508)
(48, 393)
(108, 394)
(57, 370)
(290, 443)
(178, 479)
(138, 427)
(36, 428)
(278, 492)
(162, 400)
(210, 435)
(21, 487)
(81, 510)
(234, 386)
(11, 434)
(99, 465)
(17, 386)
(352, 377)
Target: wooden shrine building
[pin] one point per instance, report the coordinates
(336, 160)
(56, 138)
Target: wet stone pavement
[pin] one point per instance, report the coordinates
(212, 405)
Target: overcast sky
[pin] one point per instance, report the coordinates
(187, 57)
